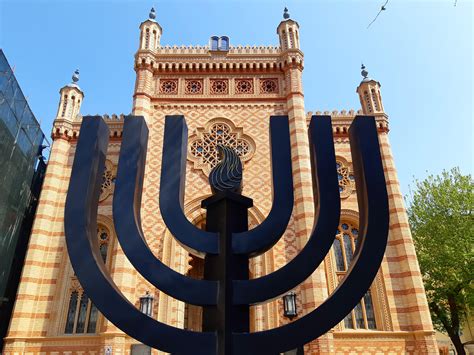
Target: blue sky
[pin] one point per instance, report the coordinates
(420, 51)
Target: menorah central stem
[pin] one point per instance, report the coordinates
(226, 214)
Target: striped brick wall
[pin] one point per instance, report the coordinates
(34, 304)
(314, 290)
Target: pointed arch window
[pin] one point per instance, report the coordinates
(82, 314)
(363, 315)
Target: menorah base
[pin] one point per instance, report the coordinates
(226, 214)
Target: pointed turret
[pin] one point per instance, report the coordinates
(288, 32)
(369, 94)
(150, 32)
(71, 99)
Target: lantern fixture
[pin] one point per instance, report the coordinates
(289, 305)
(146, 304)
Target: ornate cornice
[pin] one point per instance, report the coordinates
(197, 49)
(69, 130)
(200, 59)
(341, 121)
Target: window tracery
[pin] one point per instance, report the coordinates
(169, 86)
(345, 177)
(193, 87)
(82, 314)
(219, 86)
(244, 86)
(108, 180)
(203, 145)
(344, 245)
(268, 86)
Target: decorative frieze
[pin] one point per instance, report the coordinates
(223, 86)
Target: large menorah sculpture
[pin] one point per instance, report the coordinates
(226, 292)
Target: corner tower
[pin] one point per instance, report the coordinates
(369, 94)
(71, 99)
(150, 38)
(288, 33)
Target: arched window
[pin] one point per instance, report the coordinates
(367, 100)
(214, 43)
(153, 42)
(292, 38)
(82, 314)
(362, 316)
(285, 40)
(224, 43)
(147, 38)
(70, 112)
(374, 99)
(63, 112)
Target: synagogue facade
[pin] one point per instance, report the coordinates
(227, 95)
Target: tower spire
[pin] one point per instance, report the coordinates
(286, 15)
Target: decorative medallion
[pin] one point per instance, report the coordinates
(193, 87)
(244, 86)
(219, 86)
(202, 148)
(268, 86)
(169, 86)
(345, 177)
(108, 180)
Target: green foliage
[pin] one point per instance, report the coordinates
(442, 222)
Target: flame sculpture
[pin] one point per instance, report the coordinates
(226, 292)
(227, 174)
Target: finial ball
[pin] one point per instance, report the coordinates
(75, 76)
(286, 15)
(364, 72)
(152, 14)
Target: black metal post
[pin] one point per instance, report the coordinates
(226, 214)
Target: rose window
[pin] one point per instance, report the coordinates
(108, 180)
(244, 86)
(269, 86)
(219, 87)
(345, 177)
(203, 146)
(193, 87)
(169, 86)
